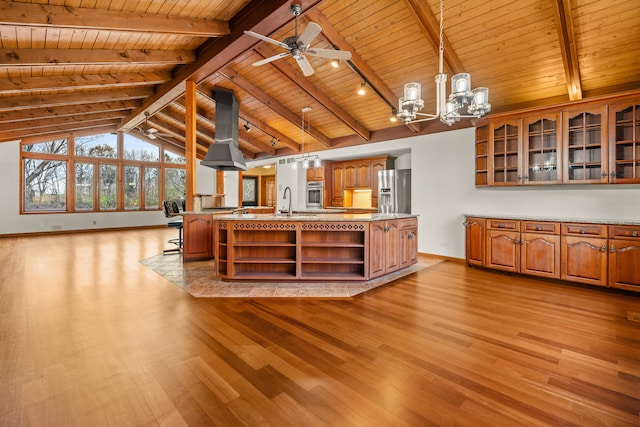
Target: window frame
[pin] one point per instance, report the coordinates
(70, 158)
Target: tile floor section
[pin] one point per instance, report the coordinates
(199, 279)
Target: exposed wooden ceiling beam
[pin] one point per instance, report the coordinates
(38, 101)
(261, 146)
(66, 110)
(272, 103)
(21, 84)
(30, 57)
(13, 135)
(177, 121)
(336, 39)
(60, 121)
(431, 27)
(567, 38)
(42, 15)
(305, 84)
(261, 16)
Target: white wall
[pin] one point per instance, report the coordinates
(442, 192)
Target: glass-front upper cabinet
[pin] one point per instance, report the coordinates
(505, 153)
(624, 140)
(585, 145)
(542, 153)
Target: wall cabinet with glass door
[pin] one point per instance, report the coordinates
(505, 152)
(542, 150)
(585, 147)
(624, 140)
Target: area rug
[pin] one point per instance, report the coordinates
(199, 279)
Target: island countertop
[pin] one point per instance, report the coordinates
(305, 217)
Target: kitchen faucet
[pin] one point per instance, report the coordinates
(285, 196)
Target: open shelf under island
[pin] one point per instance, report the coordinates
(319, 247)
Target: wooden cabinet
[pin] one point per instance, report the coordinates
(482, 156)
(197, 237)
(582, 143)
(315, 173)
(475, 241)
(585, 148)
(505, 152)
(584, 253)
(503, 245)
(313, 251)
(624, 257)
(349, 176)
(540, 249)
(384, 239)
(590, 253)
(624, 142)
(542, 150)
(337, 184)
(408, 235)
(363, 174)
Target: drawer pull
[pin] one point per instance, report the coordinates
(538, 228)
(634, 234)
(582, 231)
(500, 225)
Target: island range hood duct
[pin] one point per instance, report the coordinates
(225, 154)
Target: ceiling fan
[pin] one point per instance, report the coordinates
(148, 131)
(298, 45)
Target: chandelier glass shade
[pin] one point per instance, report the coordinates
(463, 101)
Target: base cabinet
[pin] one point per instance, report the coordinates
(589, 253)
(475, 241)
(383, 252)
(197, 237)
(408, 242)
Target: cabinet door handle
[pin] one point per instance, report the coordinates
(604, 174)
(522, 241)
(386, 229)
(517, 240)
(612, 249)
(411, 236)
(603, 248)
(612, 175)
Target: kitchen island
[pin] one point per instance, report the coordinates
(307, 247)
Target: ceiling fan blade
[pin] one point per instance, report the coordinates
(266, 39)
(270, 59)
(152, 130)
(305, 65)
(309, 33)
(330, 53)
(150, 135)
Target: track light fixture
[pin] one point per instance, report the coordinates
(335, 63)
(246, 127)
(361, 90)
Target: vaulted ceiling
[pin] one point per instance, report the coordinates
(84, 67)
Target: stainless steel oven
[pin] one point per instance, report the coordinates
(315, 195)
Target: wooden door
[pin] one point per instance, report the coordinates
(584, 260)
(198, 237)
(349, 176)
(541, 151)
(363, 174)
(392, 242)
(624, 140)
(503, 250)
(376, 249)
(475, 241)
(408, 246)
(585, 145)
(269, 191)
(540, 255)
(337, 185)
(624, 264)
(505, 149)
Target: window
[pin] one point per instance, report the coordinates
(107, 172)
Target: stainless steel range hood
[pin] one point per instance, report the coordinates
(225, 154)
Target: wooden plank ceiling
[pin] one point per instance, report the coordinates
(82, 67)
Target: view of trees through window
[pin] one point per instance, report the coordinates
(99, 173)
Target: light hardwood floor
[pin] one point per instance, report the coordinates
(90, 337)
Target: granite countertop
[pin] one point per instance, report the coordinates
(315, 217)
(557, 219)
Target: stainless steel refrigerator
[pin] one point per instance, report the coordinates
(394, 191)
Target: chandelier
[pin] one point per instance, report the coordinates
(306, 159)
(463, 102)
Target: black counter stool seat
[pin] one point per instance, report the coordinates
(172, 211)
